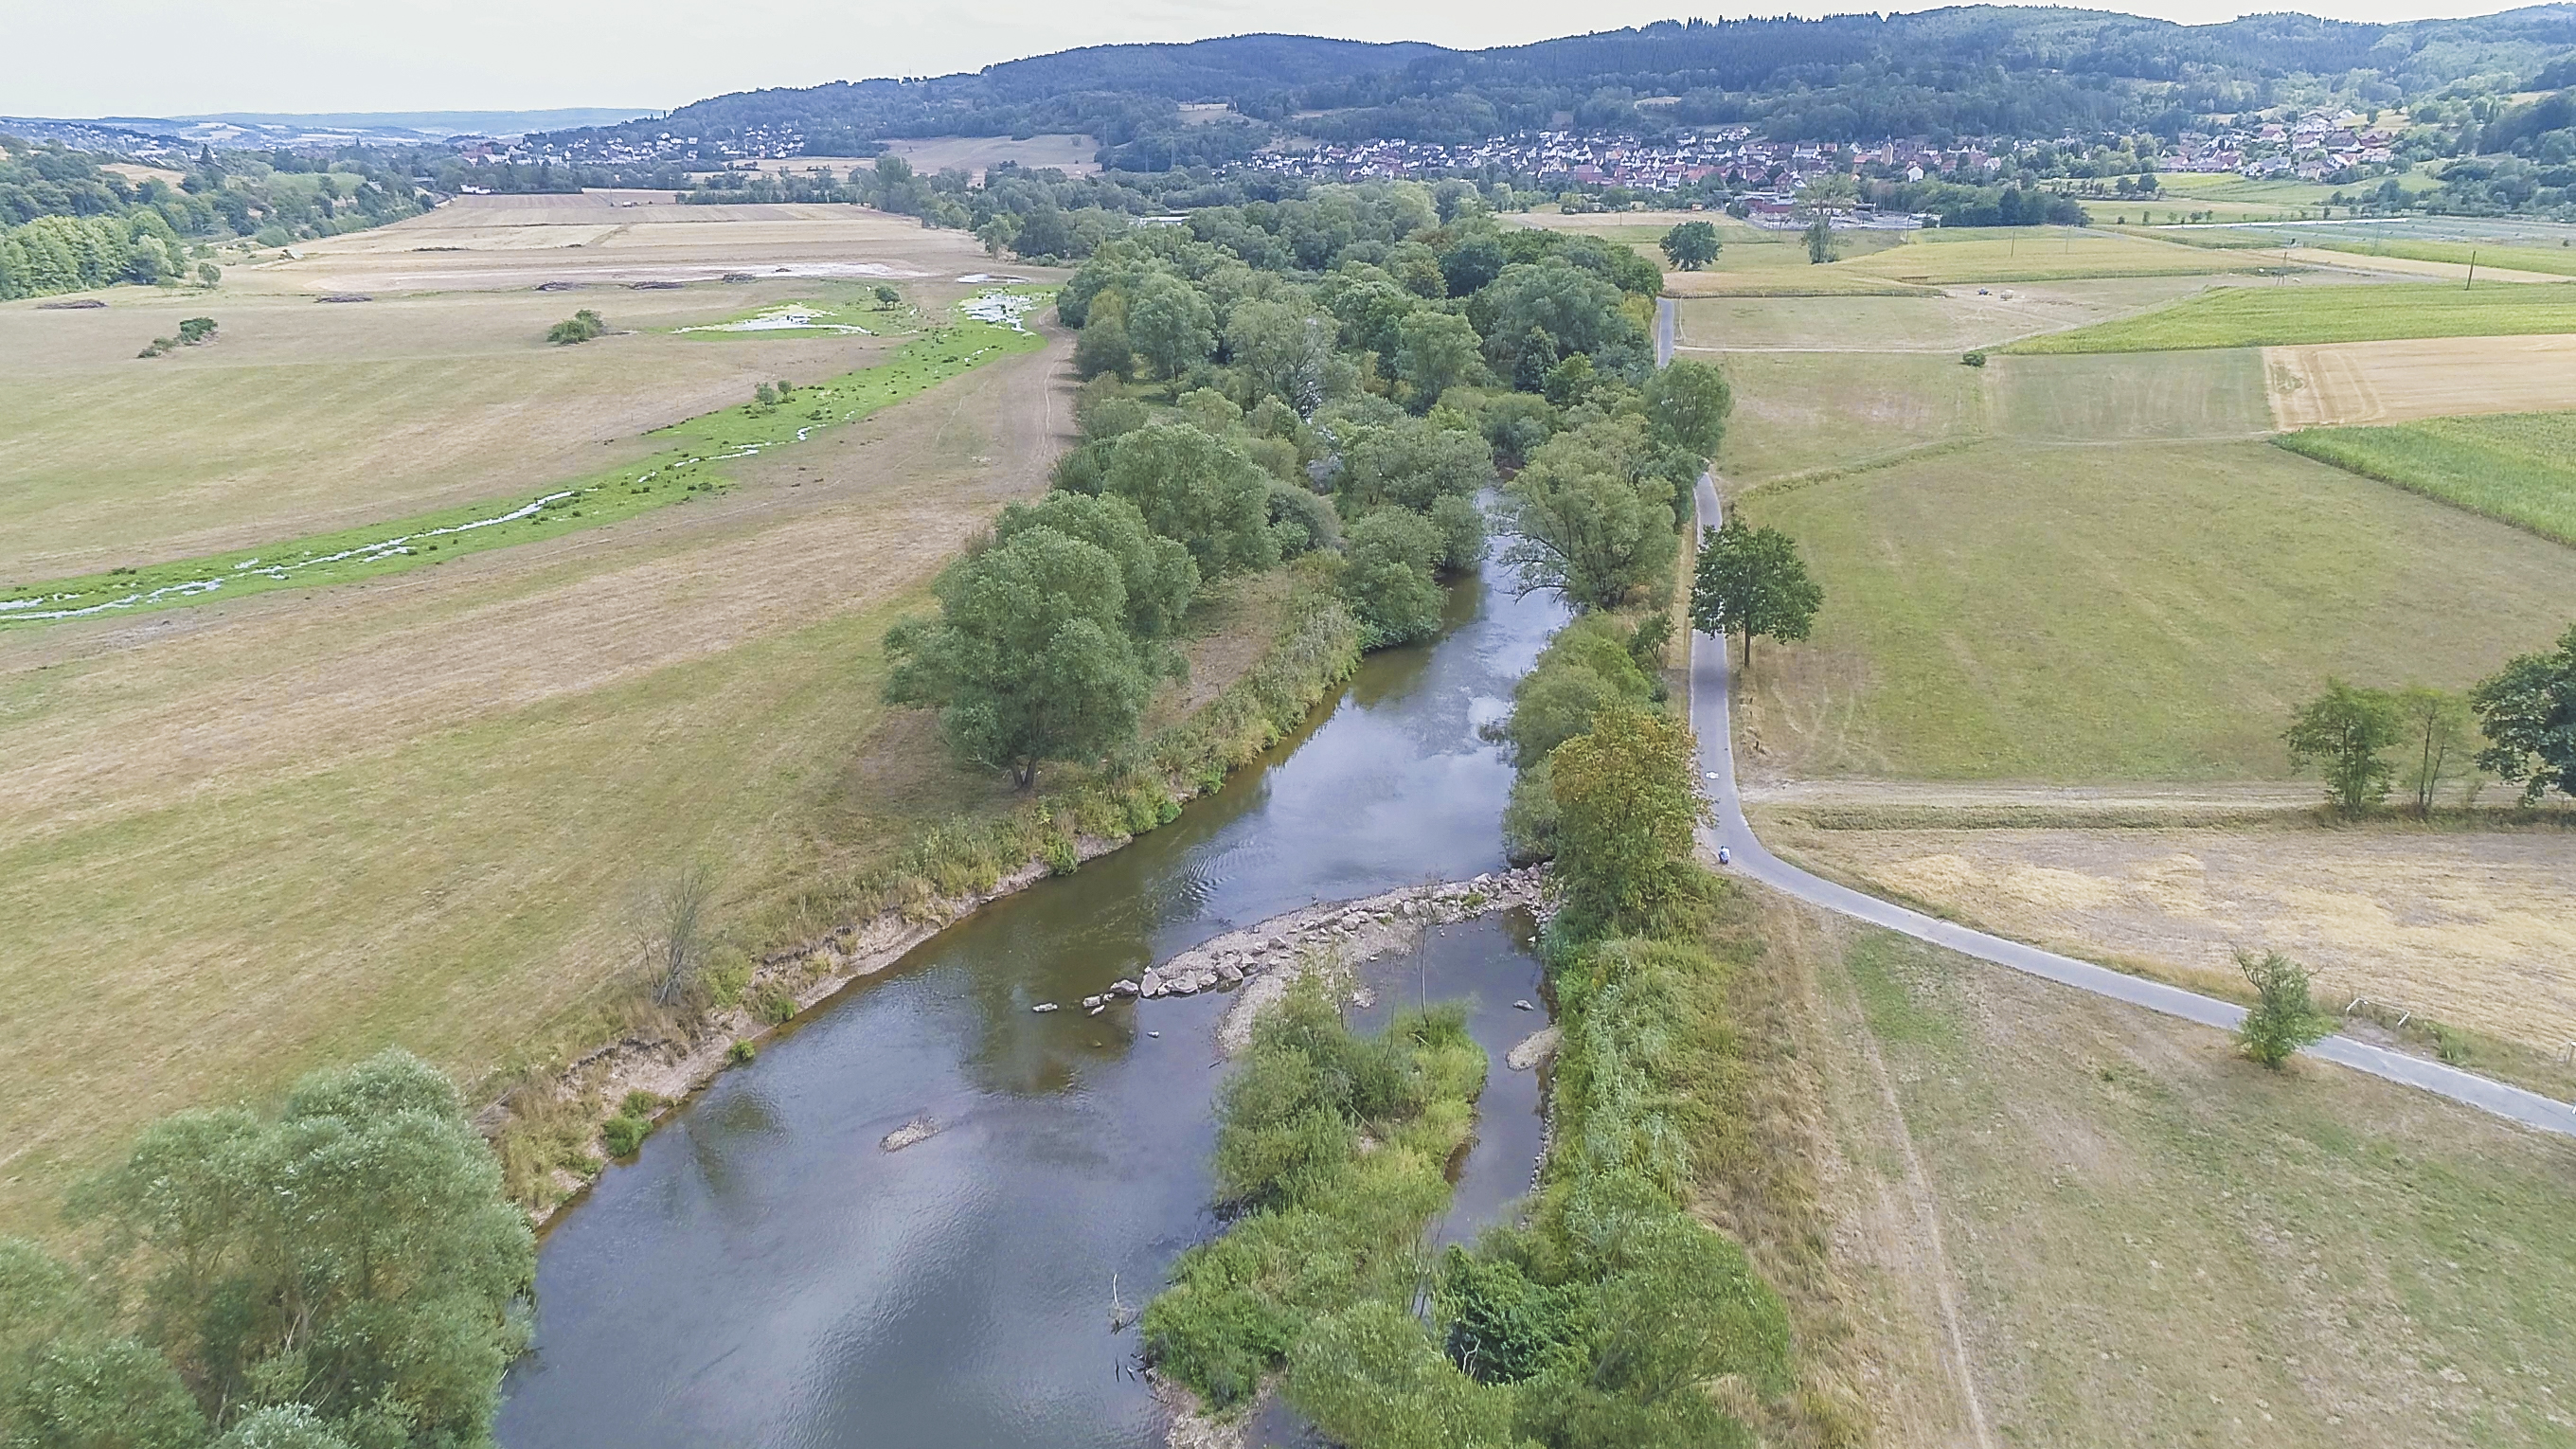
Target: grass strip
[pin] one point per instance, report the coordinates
(2293, 316)
(688, 465)
(2558, 260)
(2516, 468)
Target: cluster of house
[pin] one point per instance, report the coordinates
(2309, 147)
(1730, 156)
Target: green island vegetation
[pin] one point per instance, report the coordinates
(689, 465)
(341, 1275)
(68, 224)
(2519, 468)
(2290, 316)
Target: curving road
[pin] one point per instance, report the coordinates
(1709, 707)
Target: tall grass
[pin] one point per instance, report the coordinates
(2288, 316)
(2516, 468)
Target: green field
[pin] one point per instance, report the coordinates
(1945, 257)
(2154, 1241)
(2288, 316)
(2107, 397)
(2015, 610)
(679, 471)
(2558, 260)
(2517, 467)
(1799, 412)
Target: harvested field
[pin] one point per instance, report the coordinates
(2149, 1240)
(2150, 611)
(2293, 316)
(2401, 380)
(1070, 154)
(2471, 928)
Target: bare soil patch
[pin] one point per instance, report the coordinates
(2401, 381)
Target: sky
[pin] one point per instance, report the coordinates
(164, 57)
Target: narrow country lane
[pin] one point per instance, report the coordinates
(1709, 706)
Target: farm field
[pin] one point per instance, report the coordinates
(2148, 1239)
(1799, 412)
(1927, 321)
(256, 836)
(2292, 316)
(2520, 469)
(1069, 153)
(2018, 611)
(2112, 397)
(2231, 197)
(1946, 256)
(2468, 946)
(2410, 378)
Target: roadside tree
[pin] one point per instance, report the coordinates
(2437, 727)
(2343, 732)
(2528, 713)
(1751, 581)
(1627, 802)
(2283, 1017)
(1687, 404)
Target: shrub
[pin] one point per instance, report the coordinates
(2283, 1018)
(726, 974)
(777, 1006)
(1061, 857)
(1972, 359)
(622, 1135)
(582, 326)
(740, 1054)
(640, 1103)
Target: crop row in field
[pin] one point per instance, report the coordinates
(2286, 316)
(2516, 467)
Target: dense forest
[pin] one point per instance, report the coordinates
(68, 222)
(1978, 70)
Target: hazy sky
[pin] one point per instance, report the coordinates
(164, 57)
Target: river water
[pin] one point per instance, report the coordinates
(764, 1275)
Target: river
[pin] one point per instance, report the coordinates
(763, 1274)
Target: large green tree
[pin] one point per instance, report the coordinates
(1198, 489)
(1687, 404)
(1388, 558)
(1591, 517)
(1434, 352)
(1030, 659)
(1158, 573)
(1286, 347)
(353, 1255)
(2528, 713)
(1169, 323)
(1691, 245)
(1751, 581)
(1627, 802)
(2345, 732)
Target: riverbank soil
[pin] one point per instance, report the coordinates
(2070, 602)
(2066, 1220)
(246, 839)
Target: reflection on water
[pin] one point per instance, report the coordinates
(765, 1275)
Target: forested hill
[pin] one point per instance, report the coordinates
(1986, 70)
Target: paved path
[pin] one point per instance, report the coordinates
(1709, 702)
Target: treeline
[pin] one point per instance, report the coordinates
(68, 224)
(343, 1275)
(2518, 727)
(1969, 71)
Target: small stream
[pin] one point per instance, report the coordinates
(763, 1274)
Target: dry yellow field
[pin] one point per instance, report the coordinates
(2408, 379)
(2470, 929)
(1070, 153)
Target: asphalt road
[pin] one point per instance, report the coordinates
(1709, 706)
